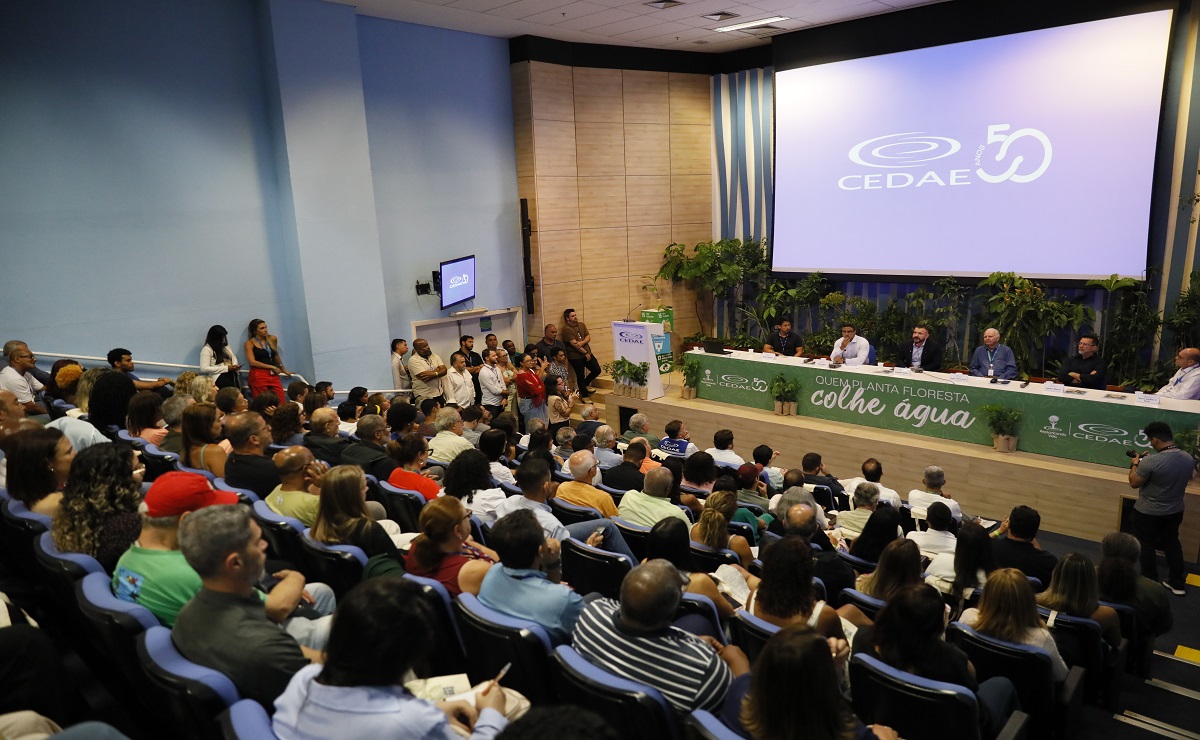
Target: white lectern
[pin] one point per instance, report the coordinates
(634, 341)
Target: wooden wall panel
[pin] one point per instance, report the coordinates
(647, 149)
(603, 252)
(647, 97)
(648, 202)
(601, 202)
(551, 92)
(598, 96)
(691, 99)
(600, 149)
(616, 165)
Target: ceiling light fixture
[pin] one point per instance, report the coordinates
(751, 24)
(662, 4)
(721, 15)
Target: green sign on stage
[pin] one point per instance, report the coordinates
(1061, 426)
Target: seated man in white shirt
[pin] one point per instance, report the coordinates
(850, 349)
(606, 447)
(866, 499)
(872, 472)
(448, 443)
(1185, 383)
(722, 450)
(18, 380)
(532, 425)
(938, 538)
(920, 500)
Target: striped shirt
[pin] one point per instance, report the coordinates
(687, 671)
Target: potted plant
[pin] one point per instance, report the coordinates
(690, 367)
(1003, 422)
(613, 369)
(785, 393)
(638, 374)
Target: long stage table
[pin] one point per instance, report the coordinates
(1075, 498)
(1092, 426)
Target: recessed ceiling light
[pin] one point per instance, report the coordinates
(700, 42)
(662, 4)
(721, 15)
(751, 24)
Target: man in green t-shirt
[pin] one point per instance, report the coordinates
(299, 492)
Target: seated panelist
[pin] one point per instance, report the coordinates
(922, 352)
(1086, 369)
(992, 359)
(851, 349)
(783, 342)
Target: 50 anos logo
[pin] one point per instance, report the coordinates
(1020, 156)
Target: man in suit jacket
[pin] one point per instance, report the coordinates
(929, 353)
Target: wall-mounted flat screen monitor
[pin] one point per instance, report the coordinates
(1030, 153)
(458, 281)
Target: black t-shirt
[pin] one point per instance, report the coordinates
(254, 472)
(625, 477)
(1024, 557)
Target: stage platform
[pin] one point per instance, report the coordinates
(1079, 499)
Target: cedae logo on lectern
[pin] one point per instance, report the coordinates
(631, 337)
(460, 281)
(918, 149)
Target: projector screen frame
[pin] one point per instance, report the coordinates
(951, 23)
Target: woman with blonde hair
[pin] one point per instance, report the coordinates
(183, 384)
(98, 513)
(445, 550)
(1008, 611)
(201, 428)
(203, 389)
(83, 390)
(1074, 591)
(342, 517)
(713, 527)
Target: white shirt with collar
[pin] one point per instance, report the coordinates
(855, 354)
(1183, 385)
(933, 542)
(491, 382)
(462, 387)
(886, 495)
(920, 501)
(725, 457)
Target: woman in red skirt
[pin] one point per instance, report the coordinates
(262, 350)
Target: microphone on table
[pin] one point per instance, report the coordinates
(1025, 384)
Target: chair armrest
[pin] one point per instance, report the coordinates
(1070, 704)
(1114, 668)
(1016, 728)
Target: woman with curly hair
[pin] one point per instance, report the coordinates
(287, 425)
(203, 389)
(98, 514)
(64, 376)
(469, 479)
(183, 384)
(785, 593)
(713, 527)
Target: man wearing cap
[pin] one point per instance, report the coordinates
(154, 573)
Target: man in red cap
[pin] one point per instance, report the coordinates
(154, 573)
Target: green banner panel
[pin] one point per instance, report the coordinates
(1061, 426)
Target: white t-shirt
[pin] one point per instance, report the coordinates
(921, 500)
(726, 457)
(886, 495)
(21, 386)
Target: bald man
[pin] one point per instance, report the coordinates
(652, 504)
(801, 521)
(1185, 383)
(299, 491)
(580, 491)
(324, 441)
(635, 639)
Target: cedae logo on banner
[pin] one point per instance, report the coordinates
(1089, 432)
(755, 385)
(917, 149)
(460, 281)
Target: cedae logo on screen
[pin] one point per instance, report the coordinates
(460, 281)
(916, 149)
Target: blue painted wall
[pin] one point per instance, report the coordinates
(141, 194)
(439, 113)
